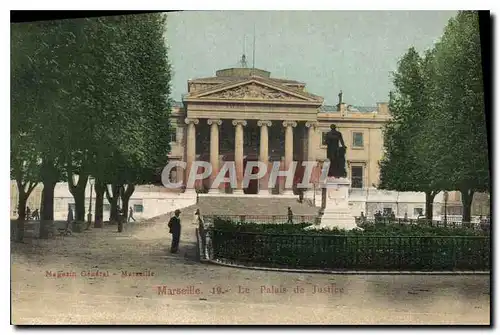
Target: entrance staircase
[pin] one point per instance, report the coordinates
(229, 206)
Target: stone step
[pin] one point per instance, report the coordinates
(240, 205)
(252, 206)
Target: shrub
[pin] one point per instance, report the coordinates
(391, 247)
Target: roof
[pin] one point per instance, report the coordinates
(328, 108)
(363, 109)
(217, 80)
(263, 80)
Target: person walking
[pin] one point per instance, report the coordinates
(362, 218)
(131, 214)
(197, 217)
(290, 215)
(36, 215)
(70, 214)
(175, 229)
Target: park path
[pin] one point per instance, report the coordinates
(215, 294)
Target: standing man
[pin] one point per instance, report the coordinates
(28, 214)
(175, 229)
(131, 214)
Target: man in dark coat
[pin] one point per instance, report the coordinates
(175, 229)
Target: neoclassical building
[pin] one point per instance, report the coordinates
(244, 114)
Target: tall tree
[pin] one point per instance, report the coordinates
(459, 122)
(35, 112)
(24, 159)
(144, 150)
(405, 165)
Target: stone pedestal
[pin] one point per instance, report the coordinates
(335, 200)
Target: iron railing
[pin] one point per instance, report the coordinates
(267, 219)
(484, 226)
(348, 252)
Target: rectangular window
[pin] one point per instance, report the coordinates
(418, 211)
(138, 209)
(106, 207)
(356, 176)
(72, 206)
(357, 140)
(387, 211)
(173, 136)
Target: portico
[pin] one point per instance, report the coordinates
(242, 115)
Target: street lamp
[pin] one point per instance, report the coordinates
(89, 215)
(445, 196)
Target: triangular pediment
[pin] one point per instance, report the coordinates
(253, 89)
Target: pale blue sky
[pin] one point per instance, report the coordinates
(352, 51)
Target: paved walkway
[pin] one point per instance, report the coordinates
(176, 289)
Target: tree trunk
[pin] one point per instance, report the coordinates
(49, 177)
(467, 196)
(47, 203)
(429, 204)
(78, 192)
(79, 197)
(47, 208)
(21, 205)
(99, 203)
(18, 229)
(23, 199)
(125, 196)
(112, 197)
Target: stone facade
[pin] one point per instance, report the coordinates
(220, 116)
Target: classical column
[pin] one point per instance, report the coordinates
(190, 150)
(238, 154)
(214, 151)
(311, 155)
(311, 129)
(264, 154)
(289, 125)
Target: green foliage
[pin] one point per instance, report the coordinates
(377, 248)
(437, 138)
(459, 125)
(90, 97)
(406, 163)
(135, 88)
(389, 229)
(229, 225)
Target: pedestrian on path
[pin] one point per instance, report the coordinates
(197, 219)
(175, 229)
(36, 215)
(131, 214)
(290, 215)
(70, 214)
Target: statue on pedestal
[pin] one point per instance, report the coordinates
(335, 153)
